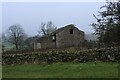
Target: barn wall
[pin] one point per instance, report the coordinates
(47, 42)
(65, 39)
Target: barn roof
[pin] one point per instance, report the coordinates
(56, 31)
(60, 29)
(43, 37)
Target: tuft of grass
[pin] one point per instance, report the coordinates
(62, 70)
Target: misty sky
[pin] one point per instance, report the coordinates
(30, 15)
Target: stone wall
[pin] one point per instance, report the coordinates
(65, 39)
(46, 42)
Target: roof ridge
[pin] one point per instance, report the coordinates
(60, 29)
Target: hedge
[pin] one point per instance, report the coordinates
(104, 55)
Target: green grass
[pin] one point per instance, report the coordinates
(8, 46)
(0, 71)
(62, 70)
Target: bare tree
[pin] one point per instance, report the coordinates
(16, 35)
(47, 28)
(3, 40)
(1, 43)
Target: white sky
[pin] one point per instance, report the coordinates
(31, 14)
(53, 0)
(0, 17)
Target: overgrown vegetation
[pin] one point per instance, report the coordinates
(107, 25)
(104, 55)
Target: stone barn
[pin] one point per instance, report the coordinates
(67, 36)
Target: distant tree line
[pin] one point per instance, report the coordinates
(16, 35)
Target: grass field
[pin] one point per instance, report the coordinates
(62, 70)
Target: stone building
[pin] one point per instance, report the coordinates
(67, 36)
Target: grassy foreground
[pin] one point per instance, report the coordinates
(62, 70)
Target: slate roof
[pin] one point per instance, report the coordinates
(56, 31)
(60, 29)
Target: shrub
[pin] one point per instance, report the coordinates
(104, 55)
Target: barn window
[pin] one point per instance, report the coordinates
(71, 31)
(38, 45)
(53, 38)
